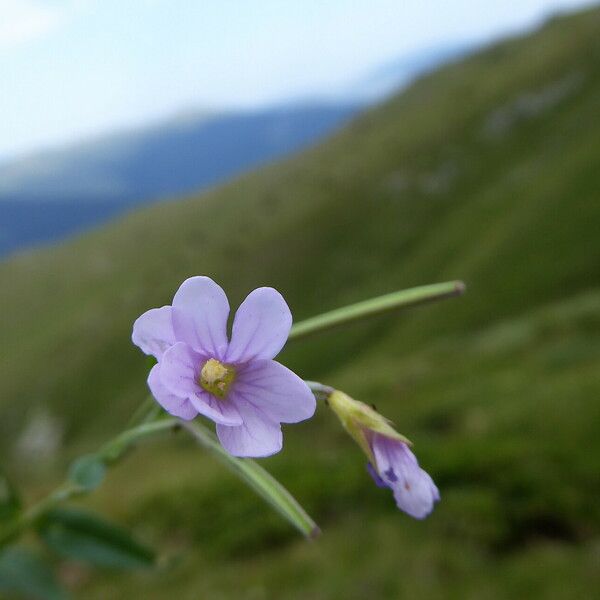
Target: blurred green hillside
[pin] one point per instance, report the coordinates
(488, 171)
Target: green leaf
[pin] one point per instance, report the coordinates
(264, 484)
(86, 537)
(88, 472)
(10, 502)
(26, 575)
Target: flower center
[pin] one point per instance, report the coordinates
(216, 378)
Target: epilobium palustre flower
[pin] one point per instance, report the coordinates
(391, 462)
(236, 382)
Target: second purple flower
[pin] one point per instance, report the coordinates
(236, 382)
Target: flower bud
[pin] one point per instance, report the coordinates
(359, 419)
(391, 462)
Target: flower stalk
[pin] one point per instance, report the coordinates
(377, 306)
(109, 453)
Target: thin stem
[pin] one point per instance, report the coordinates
(109, 453)
(321, 391)
(144, 412)
(114, 449)
(64, 492)
(377, 306)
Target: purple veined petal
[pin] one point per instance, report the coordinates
(153, 331)
(261, 327)
(373, 473)
(200, 312)
(414, 490)
(179, 370)
(224, 411)
(258, 436)
(274, 390)
(178, 407)
(391, 457)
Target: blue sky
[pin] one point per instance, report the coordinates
(73, 68)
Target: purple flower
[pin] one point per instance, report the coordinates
(397, 468)
(236, 382)
(391, 462)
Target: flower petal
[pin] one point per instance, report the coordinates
(200, 311)
(178, 407)
(224, 411)
(180, 366)
(417, 495)
(153, 331)
(258, 436)
(179, 369)
(414, 490)
(261, 327)
(275, 390)
(373, 473)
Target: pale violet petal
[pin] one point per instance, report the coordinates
(275, 390)
(200, 312)
(221, 411)
(257, 437)
(416, 494)
(261, 327)
(414, 490)
(178, 407)
(180, 367)
(153, 331)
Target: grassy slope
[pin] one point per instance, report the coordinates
(487, 170)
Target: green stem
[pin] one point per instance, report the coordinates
(144, 412)
(34, 513)
(109, 453)
(114, 450)
(377, 306)
(257, 478)
(321, 391)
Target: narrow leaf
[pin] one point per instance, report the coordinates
(84, 536)
(264, 484)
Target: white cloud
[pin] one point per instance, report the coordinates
(24, 20)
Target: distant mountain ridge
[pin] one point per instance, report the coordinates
(170, 159)
(50, 195)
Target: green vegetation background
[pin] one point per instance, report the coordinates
(487, 171)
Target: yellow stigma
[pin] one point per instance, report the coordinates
(216, 378)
